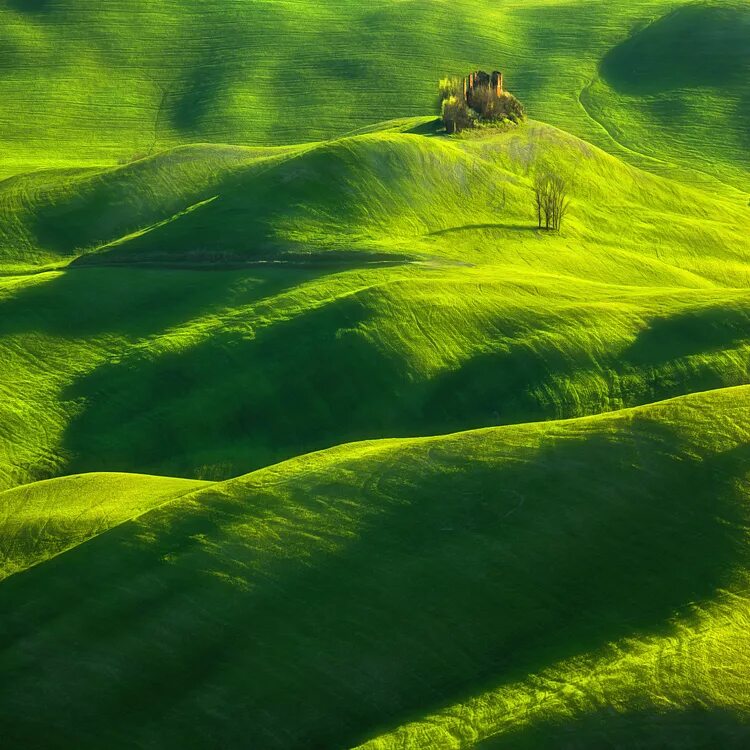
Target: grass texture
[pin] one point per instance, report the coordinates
(448, 481)
(43, 519)
(350, 294)
(488, 588)
(99, 82)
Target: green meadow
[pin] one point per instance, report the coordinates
(311, 439)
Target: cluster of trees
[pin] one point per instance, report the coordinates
(491, 105)
(487, 106)
(551, 197)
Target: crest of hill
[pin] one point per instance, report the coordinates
(378, 196)
(96, 82)
(399, 563)
(43, 519)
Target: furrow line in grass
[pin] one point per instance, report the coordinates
(644, 158)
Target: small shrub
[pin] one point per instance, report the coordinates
(511, 107)
(456, 115)
(449, 87)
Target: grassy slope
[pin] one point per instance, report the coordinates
(45, 518)
(687, 71)
(96, 81)
(391, 192)
(288, 608)
(214, 373)
(416, 575)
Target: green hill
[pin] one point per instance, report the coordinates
(401, 193)
(223, 309)
(236, 248)
(42, 520)
(686, 72)
(548, 571)
(96, 82)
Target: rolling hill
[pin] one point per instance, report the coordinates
(100, 82)
(211, 310)
(44, 519)
(487, 587)
(310, 438)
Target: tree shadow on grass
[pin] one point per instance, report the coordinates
(688, 729)
(313, 612)
(431, 128)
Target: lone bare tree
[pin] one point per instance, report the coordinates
(550, 199)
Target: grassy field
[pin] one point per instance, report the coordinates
(96, 83)
(487, 586)
(43, 519)
(309, 438)
(349, 295)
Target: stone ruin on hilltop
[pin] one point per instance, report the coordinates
(481, 80)
(478, 100)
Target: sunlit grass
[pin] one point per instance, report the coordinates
(321, 322)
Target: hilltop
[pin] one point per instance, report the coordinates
(434, 583)
(101, 82)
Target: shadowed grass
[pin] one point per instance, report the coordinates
(697, 46)
(412, 572)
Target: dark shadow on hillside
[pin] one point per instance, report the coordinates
(137, 303)
(96, 210)
(691, 332)
(205, 82)
(223, 55)
(347, 69)
(461, 574)
(30, 6)
(236, 402)
(498, 388)
(433, 127)
(743, 117)
(692, 47)
(239, 218)
(691, 729)
(531, 383)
